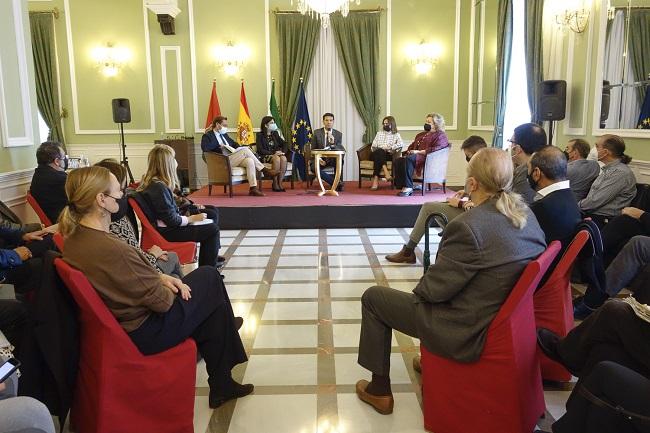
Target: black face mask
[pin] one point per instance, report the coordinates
(566, 155)
(123, 208)
(387, 128)
(427, 127)
(468, 158)
(532, 182)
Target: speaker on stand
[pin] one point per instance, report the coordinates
(122, 115)
(551, 104)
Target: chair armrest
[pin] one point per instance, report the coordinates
(218, 167)
(363, 153)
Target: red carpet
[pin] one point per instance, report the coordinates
(352, 196)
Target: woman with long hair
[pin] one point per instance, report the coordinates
(386, 142)
(156, 310)
(157, 191)
(273, 150)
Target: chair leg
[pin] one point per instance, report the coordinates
(291, 182)
(424, 186)
(229, 188)
(359, 179)
(209, 189)
(444, 187)
(225, 190)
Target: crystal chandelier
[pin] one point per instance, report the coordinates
(322, 9)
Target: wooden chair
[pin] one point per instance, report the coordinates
(367, 166)
(435, 170)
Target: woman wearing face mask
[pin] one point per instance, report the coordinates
(165, 262)
(273, 149)
(385, 143)
(157, 311)
(432, 139)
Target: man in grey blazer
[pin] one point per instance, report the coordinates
(481, 256)
(328, 138)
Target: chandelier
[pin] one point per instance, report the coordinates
(574, 19)
(322, 9)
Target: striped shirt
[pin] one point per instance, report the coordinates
(387, 141)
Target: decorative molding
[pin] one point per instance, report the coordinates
(389, 55)
(568, 130)
(267, 48)
(195, 96)
(4, 123)
(13, 189)
(179, 73)
(596, 130)
(470, 108)
(73, 79)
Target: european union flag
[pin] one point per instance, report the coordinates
(301, 132)
(644, 118)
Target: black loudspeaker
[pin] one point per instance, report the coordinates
(552, 100)
(121, 110)
(604, 104)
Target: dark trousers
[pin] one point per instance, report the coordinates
(616, 234)
(207, 235)
(207, 317)
(403, 171)
(611, 333)
(616, 385)
(13, 319)
(328, 177)
(379, 157)
(26, 277)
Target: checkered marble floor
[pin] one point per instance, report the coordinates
(299, 293)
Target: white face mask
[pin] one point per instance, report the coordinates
(272, 127)
(223, 130)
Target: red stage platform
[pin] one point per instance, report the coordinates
(298, 208)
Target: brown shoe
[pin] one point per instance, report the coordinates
(269, 172)
(381, 403)
(405, 255)
(417, 365)
(256, 192)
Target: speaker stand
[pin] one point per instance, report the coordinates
(125, 159)
(550, 132)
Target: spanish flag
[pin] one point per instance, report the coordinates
(244, 125)
(213, 107)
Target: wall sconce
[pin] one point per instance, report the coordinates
(230, 57)
(110, 59)
(424, 57)
(574, 19)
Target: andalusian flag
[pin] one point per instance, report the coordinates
(245, 134)
(273, 108)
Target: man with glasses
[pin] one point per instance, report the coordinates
(48, 182)
(526, 140)
(581, 171)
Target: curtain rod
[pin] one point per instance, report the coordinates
(288, 12)
(54, 12)
(630, 7)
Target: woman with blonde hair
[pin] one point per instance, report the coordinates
(481, 256)
(156, 192)
(156, 310)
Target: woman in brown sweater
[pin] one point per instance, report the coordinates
(156, 310)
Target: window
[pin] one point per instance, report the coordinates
(43, 130)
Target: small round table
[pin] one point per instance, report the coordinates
(318, 154)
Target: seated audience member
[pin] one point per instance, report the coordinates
(615, 187)
(48, 182)
(527, 139)
(481, 256)
(216, 140)
(13, 319)
(10, 220)
(273, 150)
(632, 222)
(328, 138)
(556, 211)
(384, 144)
(455, 206)
(166, 262)
(157, 188)
(610, 400)
(432, 139)
(156, 310)
(581, 171)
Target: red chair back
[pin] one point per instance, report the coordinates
(58, 241)
(554, 305)
(37, 208)
(502, 391)
(117, 387)
(150, 236)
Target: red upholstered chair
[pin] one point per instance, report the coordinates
(501, 392)
(118, 388)
(150, 236)
(58, 241)
(37, 208)
(554, 306)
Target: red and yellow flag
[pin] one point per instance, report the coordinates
(244, 125)
(213, 108)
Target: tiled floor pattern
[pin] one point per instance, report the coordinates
(299, 292)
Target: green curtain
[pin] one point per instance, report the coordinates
(297, 36)
(357, 43)
(47, 92)
(639, 46)
(534, 52)
(504, 48)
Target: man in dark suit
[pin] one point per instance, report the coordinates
(328, 138)
(526, 139)
(556, 208)
(48, 182)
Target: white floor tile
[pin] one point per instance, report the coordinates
(343, 240)
(343, 232)
(279, 370)
(302, 232)
(337, 260)
(556, 401)
(247, 262)
(226, 242)
(262, 233)
(290, 311)
(294, 261)
(383, 249)
(202, 414)
(229, 233)
(348, 371)
(386, 231)
(358, 417)
(296, 290)
(403, 272)
(337, 274)
(232, 275)
(253, 251)
(346, 309)
(387, 240)
(242, 309)
(301, 240)
(346, 249)
(258, 241)
(269, 414)
(286, 336)
(298, 274)
(348, 290)
(384, 262)
(348, 335)
(242, 291)
(201, 374)
(304, 249)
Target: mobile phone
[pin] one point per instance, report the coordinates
(8, 368)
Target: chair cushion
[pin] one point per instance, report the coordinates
(238, 171)
(370, 165)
